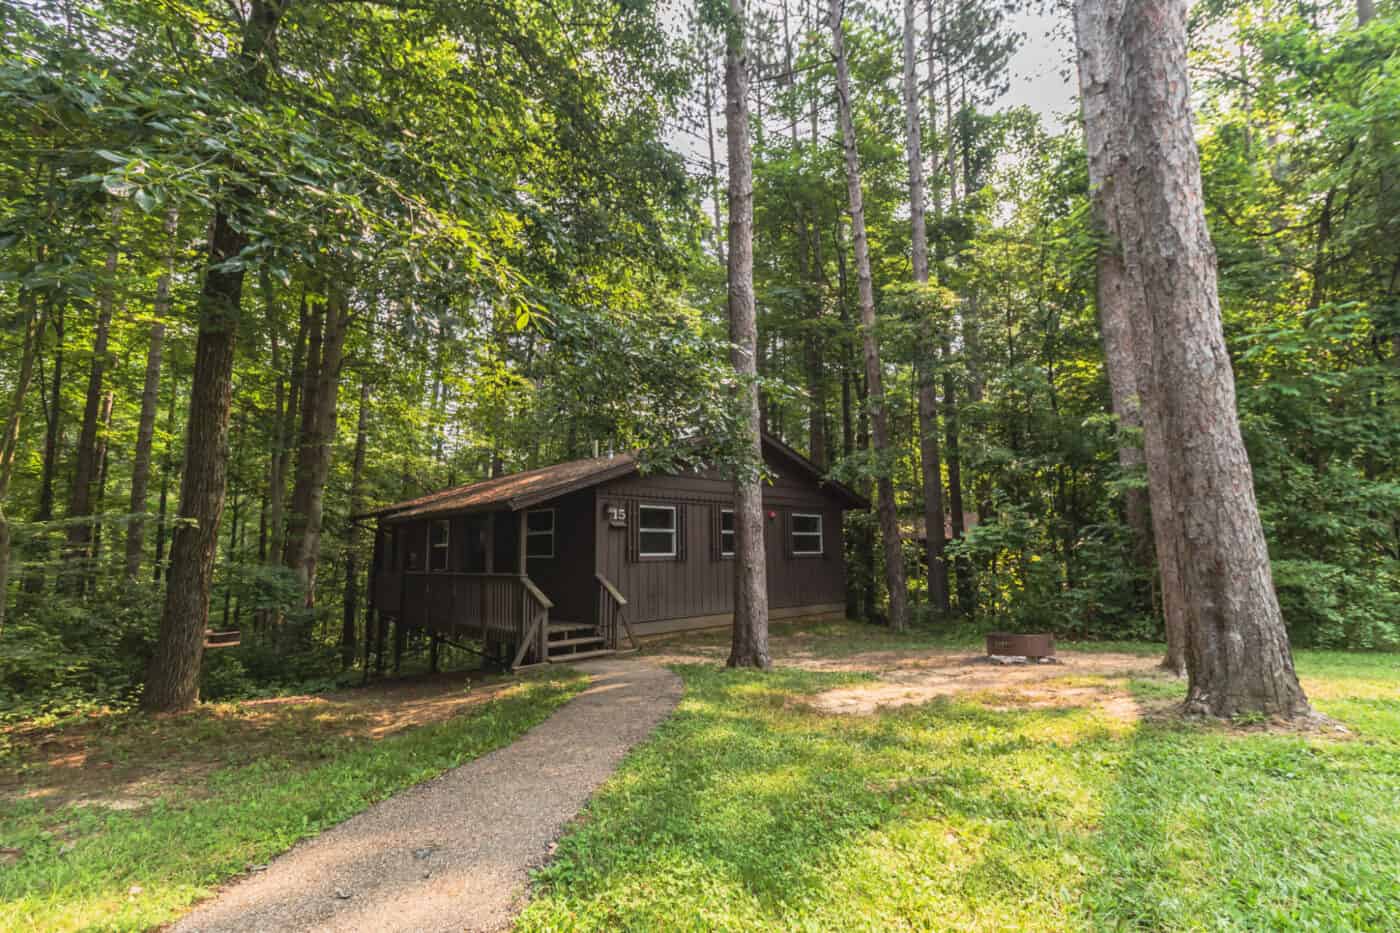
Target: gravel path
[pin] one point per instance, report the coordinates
(455, 853)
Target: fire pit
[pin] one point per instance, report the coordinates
(1007, 644)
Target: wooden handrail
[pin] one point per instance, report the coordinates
(612, 590)
(534, 591)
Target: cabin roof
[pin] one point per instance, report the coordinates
(515, 490)
(523, 490)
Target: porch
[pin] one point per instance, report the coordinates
(468, 578)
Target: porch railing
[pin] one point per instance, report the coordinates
(506, 608)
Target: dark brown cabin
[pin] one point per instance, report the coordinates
(579, 559)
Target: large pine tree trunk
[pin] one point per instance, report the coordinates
(1238, 656)
(1119, 287)
(930, 459)
(172, 679)
(85, 468)
(750, 643)
(879, 419)
(150, 401)
(319, 397)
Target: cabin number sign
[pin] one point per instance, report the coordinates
(617, 515)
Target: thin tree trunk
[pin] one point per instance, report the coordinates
(85, 469)
(1238, 656)
(750, 642)
(9, 442)
(351, 602)
(53, 422)
(166, 473)
(930, 460)
(879, 423)
(100, 493)
(710, 141)
(325, 355)
(150, 401)
(1118, 288)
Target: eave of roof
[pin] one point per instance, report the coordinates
(513, 492)
(517, 491)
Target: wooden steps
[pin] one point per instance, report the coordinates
(580, 656)
(574, 641)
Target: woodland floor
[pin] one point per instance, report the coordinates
(122, 820)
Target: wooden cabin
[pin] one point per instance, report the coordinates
(582, 558)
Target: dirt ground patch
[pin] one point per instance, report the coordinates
(124, 761)
(1080, 679)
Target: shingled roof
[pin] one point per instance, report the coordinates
(515, 491)
(523, 490)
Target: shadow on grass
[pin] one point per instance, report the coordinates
(748, 810)
(1207, 828)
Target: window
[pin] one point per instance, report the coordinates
(806, 533)
(726, 532)
(539, 533)
(438, 535)
(656, 530)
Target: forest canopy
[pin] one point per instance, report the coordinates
(364, 250)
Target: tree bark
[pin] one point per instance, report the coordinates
(172, 679)
(80, 533)
(319, 396)
(53, 423)
(150, 401)
(351, 602)
(9, 441)
(879, 423)
(930, 459)
(1119, 287)
(1238, 656)
(750, 643)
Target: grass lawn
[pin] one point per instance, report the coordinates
(752, 809)
(123, 821)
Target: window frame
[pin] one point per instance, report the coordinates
(553, 527)
(733, 533)
(674, 531)
(445, 547)
(819, 534)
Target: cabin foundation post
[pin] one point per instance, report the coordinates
(400, 638)
(433, 654)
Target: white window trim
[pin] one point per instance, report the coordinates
(820, 533)
(733, 535)
(445, 546)
(553, 523)
(673, 531)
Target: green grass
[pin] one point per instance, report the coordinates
(87, 867)
(748, 811)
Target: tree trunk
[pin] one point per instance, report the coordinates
(166, 473)
(172, 680)
(9, 441)
(1119, 287)
(930, 458)
(150, 401)
(879, 424)
(53, 423)
(351, 603)
(750, 644)
(1238, 657)
(319, 397)
(79, 547)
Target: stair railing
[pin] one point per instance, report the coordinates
(612, 614)
(534, 623)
